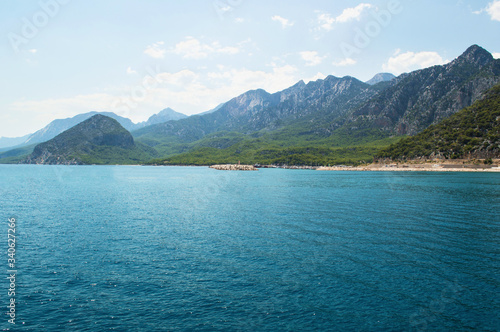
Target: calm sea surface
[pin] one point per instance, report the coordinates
(194, 249)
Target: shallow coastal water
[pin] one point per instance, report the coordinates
(180, 248)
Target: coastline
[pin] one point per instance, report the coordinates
(427, 167)
(394, 167)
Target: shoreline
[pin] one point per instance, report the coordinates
(427, 167)
(434, 167)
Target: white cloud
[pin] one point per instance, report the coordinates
(345, 62)
(496, 55)
(325, 21)
(311, 57)
(493, 10)
(409, 61)
(229, 50)
(130, 71)
(156, 50)
(241, 80)
(355, 13)
(284, 22)
(178, 79)
(318, 76)
(185, 91)
(38, 113)
(33, 50)
(192, 48)
(225, 8)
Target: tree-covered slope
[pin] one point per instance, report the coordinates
(231, 147)
(98, 140)
(473, 132)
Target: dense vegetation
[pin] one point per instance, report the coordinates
(98, 140)
(282, 149)
(112, 155)
(473, 132)
(17, 155)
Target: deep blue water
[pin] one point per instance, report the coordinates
(182, 249)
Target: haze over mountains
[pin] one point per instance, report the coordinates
(380, 77)
(327, 114)
(99, 139)
(58, 126)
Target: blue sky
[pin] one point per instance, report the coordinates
(60, 58)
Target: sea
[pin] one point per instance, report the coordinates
(139, 248)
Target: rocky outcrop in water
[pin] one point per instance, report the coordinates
(234, 167)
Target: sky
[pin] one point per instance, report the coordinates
(60, 58)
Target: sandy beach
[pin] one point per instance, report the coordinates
(418, 167)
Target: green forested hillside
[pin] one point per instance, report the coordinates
(98, 140)
(473, 132)
(282, 150)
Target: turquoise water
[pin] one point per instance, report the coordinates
(182, 249)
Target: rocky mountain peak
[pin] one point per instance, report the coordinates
(475, 55)
(380, 77)
(165, 115)
(103, 130)
(291, 91)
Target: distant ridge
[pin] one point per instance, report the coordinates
(165, 115)
(7, 142)
(59, 125)
(97, 140)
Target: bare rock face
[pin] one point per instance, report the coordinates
(259, 110)
(427, 96)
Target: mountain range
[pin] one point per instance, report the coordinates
(324, 121)
(58, 126)
(471, 133)
(330, 113)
